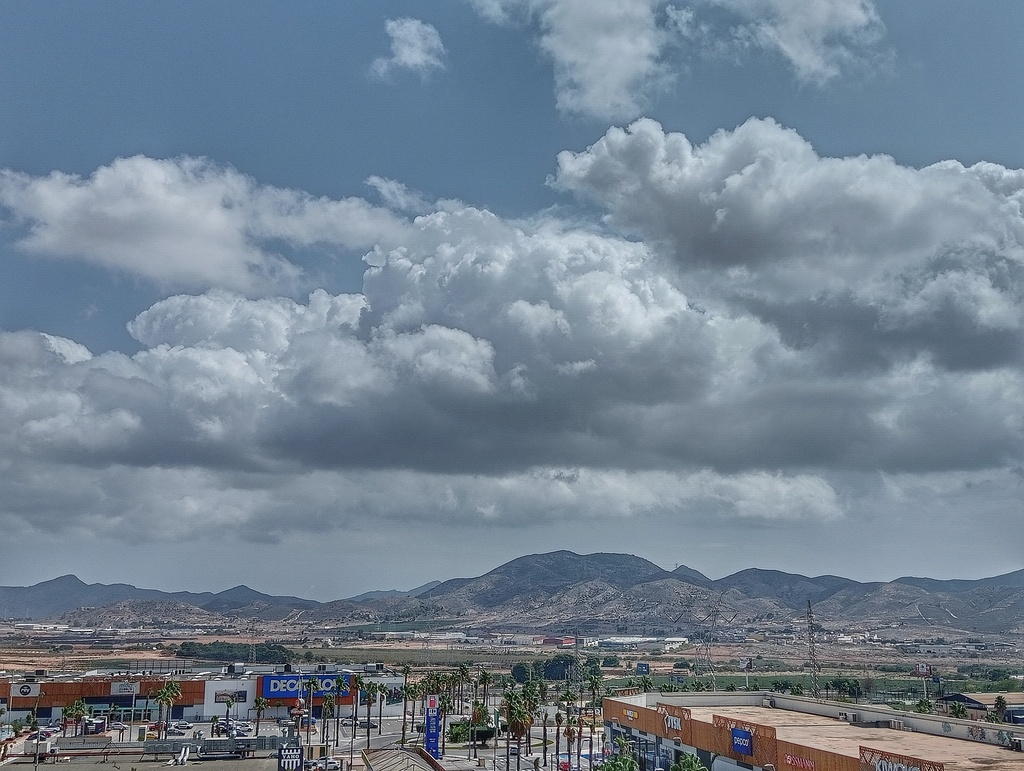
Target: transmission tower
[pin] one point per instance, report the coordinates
(812, 654)
(705, 615)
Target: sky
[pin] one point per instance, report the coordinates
(348, 295)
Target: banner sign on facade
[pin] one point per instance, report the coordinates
(742, 742)
(236, 697)
(289, 758)
(433, 727)
(295, 686)
(25, 689)
(872, 759)
(124, 688)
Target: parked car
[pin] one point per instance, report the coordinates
(184, 725)
(367, 724)
(175, 732)
(118, 727)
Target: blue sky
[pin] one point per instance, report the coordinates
(722, 283)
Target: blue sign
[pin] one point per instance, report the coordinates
(432, 729)
(742, 742)
(296, 686)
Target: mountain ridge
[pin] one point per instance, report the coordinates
(595, 592)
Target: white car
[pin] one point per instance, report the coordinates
(183, 725)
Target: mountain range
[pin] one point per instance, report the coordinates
(563, 592)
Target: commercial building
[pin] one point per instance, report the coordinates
(761, 730)
(203, 694)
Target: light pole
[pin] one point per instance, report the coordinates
(35, 761)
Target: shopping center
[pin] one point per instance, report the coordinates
(763, 730)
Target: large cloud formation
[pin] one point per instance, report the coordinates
(755, 334)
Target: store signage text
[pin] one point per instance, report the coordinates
(743, 742)
(293, 686)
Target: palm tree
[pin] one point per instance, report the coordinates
(169, 693)
(570, 737)
(261, 705)
(382, 694)
(485, 679)
(594, 681)
(544, 725)
(214, 723)
(406, 671)
(228, 704)
(413, 690)
(326, 713)
(445, 703)
(479, 716)
(1000, 706)
(958, 710)
(559, 720)
(463, 677)
(531, 702)
(75, 712)
(370, 689)
(688, 762)
(311, 685)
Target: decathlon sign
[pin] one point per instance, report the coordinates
(295, 686)
(742, 742)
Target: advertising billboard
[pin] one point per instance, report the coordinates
(293, 686)
(124, 688)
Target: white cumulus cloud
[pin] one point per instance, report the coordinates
(611, 58)
(415, 46)
(184, 223)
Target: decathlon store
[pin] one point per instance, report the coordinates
(761, 730)
(131, 697)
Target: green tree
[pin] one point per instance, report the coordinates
(261, 705)
(1000, 706)
(958, 710)
(924, 707)
(621, 760)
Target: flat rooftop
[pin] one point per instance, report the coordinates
(837, 736)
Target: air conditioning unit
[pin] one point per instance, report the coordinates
(1017, 743)
(896, 725)
(844, 716)
(852, 717)
(770, 703)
